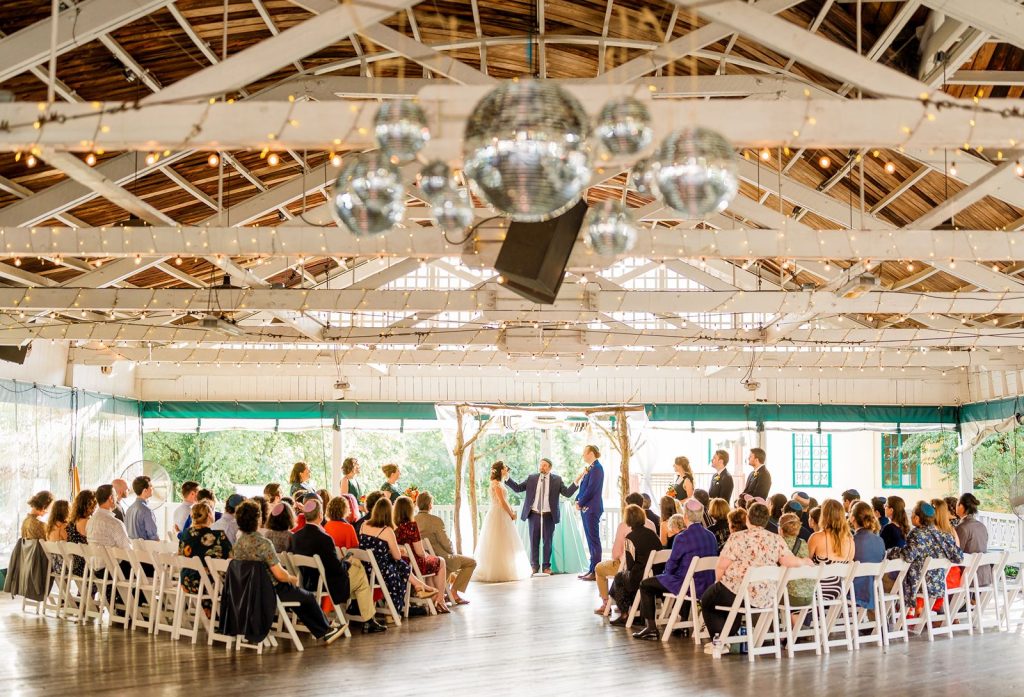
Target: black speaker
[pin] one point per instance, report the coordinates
(534, 255)
(14, 354)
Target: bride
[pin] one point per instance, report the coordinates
(500, 555)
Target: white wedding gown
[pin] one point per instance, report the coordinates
(499, 553)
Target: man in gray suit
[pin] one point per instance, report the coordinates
(432, 529)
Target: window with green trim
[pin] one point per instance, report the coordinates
(900, 469)
(812, 460)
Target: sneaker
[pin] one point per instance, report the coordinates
(332, 636)
(709, 648)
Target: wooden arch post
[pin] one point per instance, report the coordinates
(462, 444)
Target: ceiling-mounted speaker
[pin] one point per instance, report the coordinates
(15, 354)
(533, 256)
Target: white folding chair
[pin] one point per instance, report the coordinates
(988, 592)
(448, 589)
(410, 599)
(166, 578)
(795, 615)
(658, 557)
(189, 615)
(961, 604)
(55, 573)
(672, 605)
(145, 589)
(891, 606)
(1012, 585)
(98, 583)
(762, 623)
(122, 600)
(837, 610)
(75, 599)
(305, 565)
(377, 583)
(860, 616)
(928, 619)
(218, 568)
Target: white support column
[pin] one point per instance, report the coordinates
(966, 468)
(337, 450)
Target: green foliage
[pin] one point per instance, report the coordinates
(421, 455)
(997, 461)
(937, 448)
(221, 459)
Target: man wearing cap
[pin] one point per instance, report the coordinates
(850, 497)
(227, 521)
(759, 482)
(721, 481)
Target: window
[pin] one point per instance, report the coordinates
(900, 470)
(812, 459)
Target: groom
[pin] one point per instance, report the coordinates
(540, 509)
(590, 503)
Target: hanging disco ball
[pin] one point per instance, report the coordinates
(401, 130)
(435, 179)
(369, 197)
(696, 171)
(525, 150)
(453, 211)
(609, 228)
(641, 177)
(624, 126)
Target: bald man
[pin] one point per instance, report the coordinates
(120, 494)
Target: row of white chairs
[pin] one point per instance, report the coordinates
(841, 621)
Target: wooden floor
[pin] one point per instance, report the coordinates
(537, 637)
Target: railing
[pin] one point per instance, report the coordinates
(609, 523)
(1005, 530)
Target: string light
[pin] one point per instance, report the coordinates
(824, 162)
(151, 158)
(90, 159)
(766, 154)
(952, 169)
(213, 160)
(31, 161)
(890, 167)
(273, 159)
(335, 159)
(1019, 168)
(177, 261)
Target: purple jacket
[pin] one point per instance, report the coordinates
(694, 541)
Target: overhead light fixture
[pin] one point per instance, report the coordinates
(858, 286)
(217, 324)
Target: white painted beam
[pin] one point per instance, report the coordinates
(1002, 18)
(426, 56)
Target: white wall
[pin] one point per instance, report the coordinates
(120, 381)
(46, 365)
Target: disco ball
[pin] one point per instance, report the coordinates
(696, 171)
(641, 177)
(624, 126)
(435, 180)
(369, 197)
(453, 211)
(401, 129)
(609, 228)
(525, 150)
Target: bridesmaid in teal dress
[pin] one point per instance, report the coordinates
(349, 485)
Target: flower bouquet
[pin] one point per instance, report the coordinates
(412, 492)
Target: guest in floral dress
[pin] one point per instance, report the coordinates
(924, 541)
(377, 536)
(200, 541)
(81, 511)
(407, 532)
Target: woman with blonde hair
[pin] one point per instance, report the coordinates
(943, 519)
(669, 508)
(391, 476)
(32, 528)
(832, 544)
(682, 488)
(718, 511)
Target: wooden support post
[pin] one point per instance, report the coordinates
(458, 451)
(471, 486)
(622, 430)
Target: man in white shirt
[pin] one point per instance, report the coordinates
(103, 528)
(227, 521)
(189, 496)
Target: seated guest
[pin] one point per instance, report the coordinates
(803, 499)
(737, 521)
(776, 507)
(850, 497)
(338, 527)
(832, 544)
(300, 501)
(669, 508)
(227, 521)
(344, 581)
(801, 592)
(718, 511)
(272, 493)
(57, 523)
(264, 511)
(200, 540)
(377, 536)
(408, 533)
(972, 532)
(924, 541)
(120, 494)
(640, 543)
(651, 515)
(797, 509)
(694, 540)
(210, 498)
(894, 533)
(140, 519)
(353, 508)
(81, 511)
(189, 496)
(944, 519)
(869, 549)
(608, 568)
(745, 549)
(252, 546)
(951, 504)
(460, 567)
(103, 528)
(371, 501)
(813, 518)
(325, 497)
(279, 527)
(32, 528)
(878, 505)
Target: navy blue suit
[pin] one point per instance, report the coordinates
(539, 523)
(591, 503)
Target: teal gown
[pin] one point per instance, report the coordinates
(569, 553)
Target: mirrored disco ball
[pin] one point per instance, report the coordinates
(641, 177)
(401, 129)
(369, 197)
(435, 179)
(525, 150)
(453, 211)
(696, 171)
(624, 126)
(609, 228)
